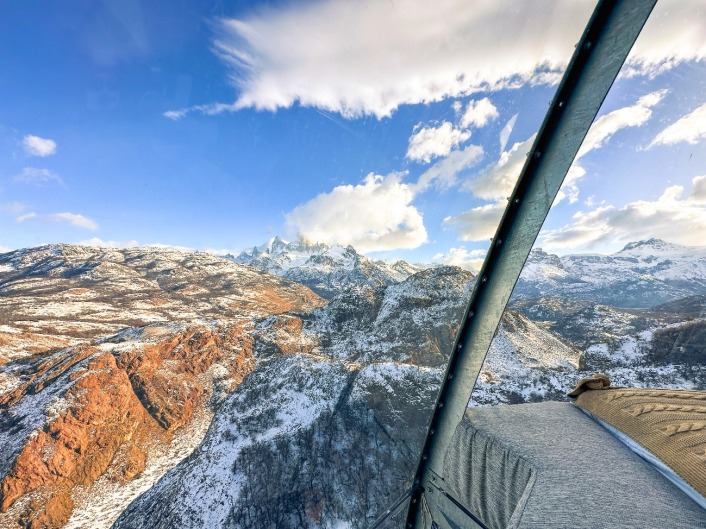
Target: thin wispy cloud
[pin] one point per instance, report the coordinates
(74, 219)
(37, 146)
(688, 129)
(38, 177)
(13, 208)
(432, 142)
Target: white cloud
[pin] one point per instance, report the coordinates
(672, 217)
(507, 130)
(470, 260)
(479, 113)
(38, 177)
(498, 181)
(74, 219)
(431, 142)
(26, 216)
(444, 173)
(607, 125)
(375, 215)
(4, 249)
(478, 224)
(690, 129)
(673, 34)
(368, 58)
(36, 146)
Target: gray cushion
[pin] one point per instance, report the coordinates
(549, 465)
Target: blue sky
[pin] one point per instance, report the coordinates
(216, 125)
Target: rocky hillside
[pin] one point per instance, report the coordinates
(326, 430)
(156, 388)
(89, 417)
(327, 270)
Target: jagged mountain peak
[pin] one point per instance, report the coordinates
(326, 269)
(652, 245)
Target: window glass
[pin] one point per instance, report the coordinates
(615, 282)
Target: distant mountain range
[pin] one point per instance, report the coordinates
(643, 274)
(289, 386)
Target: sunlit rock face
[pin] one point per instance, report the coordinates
(90, 417)
(326, 431)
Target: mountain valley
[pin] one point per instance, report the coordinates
(289, 386)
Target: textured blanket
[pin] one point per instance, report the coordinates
(671, 424)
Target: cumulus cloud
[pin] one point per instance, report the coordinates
(431, 142)
(479, 113)
(38, 177)
(360, 58)
(375, 215)
(74, 219)
(368, 58)
(36, 146)
(470, 260)
(4, 249)
(689, 129)
(673, 216)
(478, 223)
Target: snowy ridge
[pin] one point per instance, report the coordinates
(643, 274)
(327, 270)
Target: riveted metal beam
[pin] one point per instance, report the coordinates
(598, 57)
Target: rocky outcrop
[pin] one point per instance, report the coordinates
(110, 404)
(108, 354)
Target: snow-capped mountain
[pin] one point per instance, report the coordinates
(337, 409)
(166, 389)
(643, 274)
(327, 270)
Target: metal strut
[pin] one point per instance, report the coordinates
(597, 59)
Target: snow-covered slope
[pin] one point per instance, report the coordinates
(326, 431)
(327, 270)
(643, 274)
(319, 408)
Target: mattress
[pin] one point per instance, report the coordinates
(549, 465)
